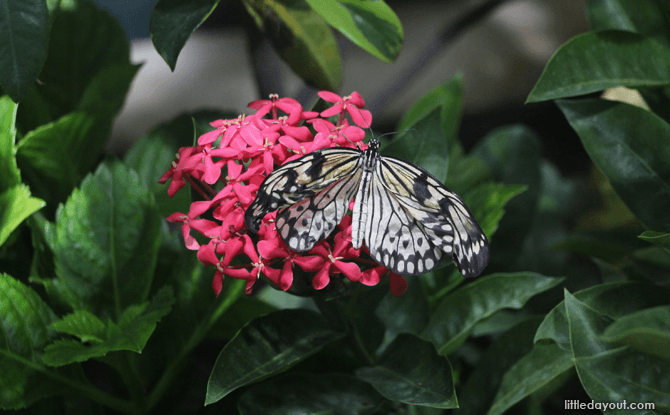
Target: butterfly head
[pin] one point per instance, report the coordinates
(373, 144)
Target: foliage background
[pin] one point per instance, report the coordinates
(103, 311)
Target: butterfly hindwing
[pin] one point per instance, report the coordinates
(311, 220)
(300, 179)
(446, 220)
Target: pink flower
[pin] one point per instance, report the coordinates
(352, 104)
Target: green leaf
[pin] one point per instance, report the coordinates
(657, 238)
(302, 39)
(55, 157)
(631, 148)
(132, 333)
(25, 318)
(266, 346)
(585, 325)
(15, 206)
(643, 17)
(613, 300)
(244, 310)
(106, 92)
(531, 373)
(408, 313)
(621, 374)
(411, 371)
(9, 171)
(456, 315)
(476, 395)
(647, 331)
(448, 97)
(309, 394)
(371, 25)
(488, 203)
(513, 155)
(108, 235)
(24, 30)
(427, 146)
(596, 61)
(84, 40)
(173, 21)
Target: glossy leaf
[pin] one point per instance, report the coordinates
(647, 331)
(25, 318)
(630, 147)
(310, 394)
(613, 300)
(625, 375)
(106, 92)
(108, 235)
(457, 314)
(585, 325)
(371, 25)
(643, 17)
(488, 203)
(16, 205)
(479, 390)
(267, 345)
(657, 238)
(411, 371)
(448, 97)
(531, 373)
(9, 171)
(84, 40)
(408, 313)
(302, 39)
(132, 332)
(173, 21)
(24, 30)
(599, 60)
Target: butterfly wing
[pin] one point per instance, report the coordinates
(305, 223)
(312, 194)
(438, 213)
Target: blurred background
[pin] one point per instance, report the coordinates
(499, 46)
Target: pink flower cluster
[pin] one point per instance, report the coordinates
(241, 153)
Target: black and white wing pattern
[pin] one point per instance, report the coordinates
(440, 223)
(406, 217)
(312, 194)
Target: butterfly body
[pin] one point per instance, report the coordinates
(407, 219)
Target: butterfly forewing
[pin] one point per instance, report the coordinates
(300, 179)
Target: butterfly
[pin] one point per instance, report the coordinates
(406, 217)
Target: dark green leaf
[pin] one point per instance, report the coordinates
(645, 17)
(411, 371)
(630, 146)
(15, 206)
(647, 331)
(173, 21)
(531, 373)
(84, 40)
(108, 235)
(448, 97)
(657, 238)
(371, 25)
(513, 155)
(132, 333)
(427, 146)
(24, 30)
(55, 157)
(585, 325)
(622, 374)
(9, 171)
(244, 310)
(302, 39)
(408, 313)
(479, 390)
(488, 203)
(308, 394)
(596, 61)
(457, 314)
(105, 94)
(266, 346)
(25, 318)
(613, 300)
